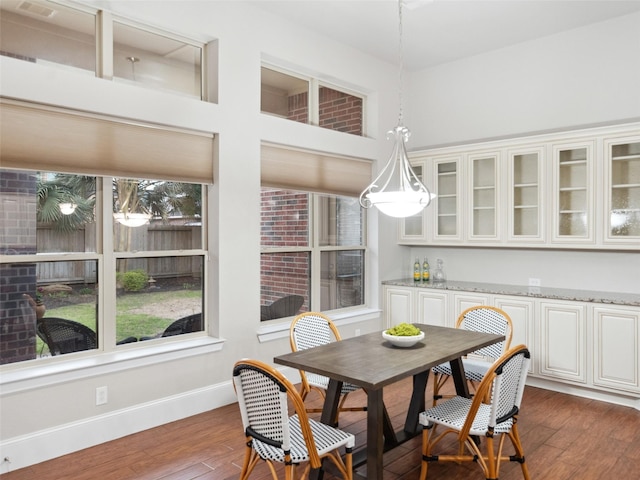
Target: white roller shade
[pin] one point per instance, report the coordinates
(293, 169)
(39, 137)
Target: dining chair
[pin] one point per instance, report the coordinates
(492, 412)
(312, 329)
(480, 318)
(275, 436)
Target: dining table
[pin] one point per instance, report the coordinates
(372, 363)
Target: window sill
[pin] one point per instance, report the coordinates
(41, 375)
(275, 331)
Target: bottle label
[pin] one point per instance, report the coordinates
(425, 275)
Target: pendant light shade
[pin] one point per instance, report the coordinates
(397, 191)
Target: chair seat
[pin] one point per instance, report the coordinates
(474, 369)
(453, 414)
(320, 381)
(326, 439)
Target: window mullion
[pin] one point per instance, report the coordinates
(107, 283)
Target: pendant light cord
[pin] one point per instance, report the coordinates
(401, 61)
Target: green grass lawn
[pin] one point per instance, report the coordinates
(130, 321)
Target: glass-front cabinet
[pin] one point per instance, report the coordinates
(573, 192)
(526, 194)
(623, 189)
(483, 196)
(447, 175)
(412, 229)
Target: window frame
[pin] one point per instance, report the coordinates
(107, 351)
(315, 251)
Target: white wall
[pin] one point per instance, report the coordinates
(51, 410)
(585, 76)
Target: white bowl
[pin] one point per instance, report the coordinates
(402, 341)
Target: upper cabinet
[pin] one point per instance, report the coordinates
(573, 192)
(484, 202)
(526, 194)
(622, 190)
(577, 189)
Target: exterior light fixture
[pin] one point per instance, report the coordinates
(397, 191)
(132, 219)
(67, 208)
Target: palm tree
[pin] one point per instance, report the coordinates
(58, 189)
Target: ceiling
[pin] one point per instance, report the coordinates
(441, 31)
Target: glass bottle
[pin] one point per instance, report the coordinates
(425, 270)
(416, 270)
(438, 273)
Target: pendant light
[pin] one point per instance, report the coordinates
(397, 191)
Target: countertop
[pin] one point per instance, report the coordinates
(629, 299)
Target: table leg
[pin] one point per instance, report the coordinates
(416, 405)
(375, 440)
(459, 380)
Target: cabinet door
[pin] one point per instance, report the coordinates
(616, 345)
(447, 226)
(573, 193)
(526, 206)
(622, 190)
(483, 209)
(462, 301)
(522, 316)
(398, 305)
(432, 308)
(412, 229)
(563, 341)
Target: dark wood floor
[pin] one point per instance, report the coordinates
(564, 438)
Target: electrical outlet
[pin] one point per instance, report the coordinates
(101, 395)
(535, 282)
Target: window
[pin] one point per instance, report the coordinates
(312, 247)
(306, 100)
(156, 60)
(48, 33)
(57, 274)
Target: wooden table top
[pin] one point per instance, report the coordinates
(371, 362)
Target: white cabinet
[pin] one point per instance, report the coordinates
(447, 226)
(398, 305)
(622, 178)
(432, 308)
(616, 343)
(573, 192)
(562, 350)
(525, 194)
(577, 189)
(464, 300)
(484, 214)
(522, 313)
(412, 230)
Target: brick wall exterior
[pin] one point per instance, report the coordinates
(338, 110)
(17, 318)
(284, 223)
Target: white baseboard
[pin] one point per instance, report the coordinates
(20, 452)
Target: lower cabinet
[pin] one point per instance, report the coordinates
(563, 341)
(592, 345)
(616, 343)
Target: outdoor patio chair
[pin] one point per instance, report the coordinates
(287, 306)
(492, 412)
(65, 336)
(188, 324)
(275, 436)
(312, 329)
(479, 319)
